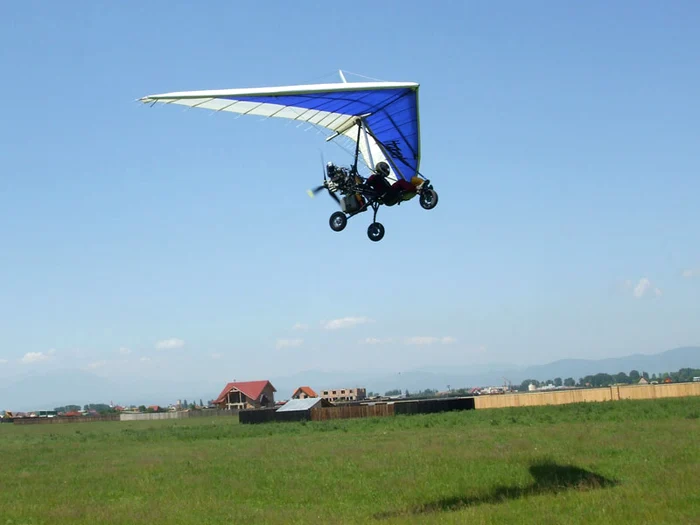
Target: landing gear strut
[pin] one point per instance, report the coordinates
(339, 220)
(375, 231)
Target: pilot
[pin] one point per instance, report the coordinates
(401, 190)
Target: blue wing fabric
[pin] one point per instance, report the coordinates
(393, 117)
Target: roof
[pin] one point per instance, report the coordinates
(307, 390)
(296, 405)
(251, 389)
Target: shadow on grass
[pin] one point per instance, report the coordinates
(549, 478)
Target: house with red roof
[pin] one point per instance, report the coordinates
(241, 395)
(304, 392)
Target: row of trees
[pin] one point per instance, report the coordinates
(683, 375)
(102, 408)
(194, 405)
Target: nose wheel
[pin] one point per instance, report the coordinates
(428, 199)
(375, 232)
(338, 221)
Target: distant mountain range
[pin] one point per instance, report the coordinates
(78, 387)
(484, 375)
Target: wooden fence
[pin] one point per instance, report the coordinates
(63, 419)
(611, 393)
(268, 415)
(153, 416)
(423, 406)
(657, 391)
(429, 406)
(351, 411)
(123, 417)
(358, 410)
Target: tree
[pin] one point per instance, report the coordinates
(395, 392)
(184, 403)
(569, 381)
(602, 379)
(653, 377)
(634, 376)
(557, 381)
(622, 378)
(200, 402)
(525, 385)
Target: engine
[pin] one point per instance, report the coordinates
(339, 178)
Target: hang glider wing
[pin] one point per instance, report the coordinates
(389, 111)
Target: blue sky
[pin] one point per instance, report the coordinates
(165, 243)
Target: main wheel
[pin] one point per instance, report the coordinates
(375, 232)
(338, 221)
(428, 199)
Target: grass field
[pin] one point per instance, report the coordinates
(617, 462)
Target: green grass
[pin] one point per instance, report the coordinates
(616, 462)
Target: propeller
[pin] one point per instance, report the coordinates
(312, 193)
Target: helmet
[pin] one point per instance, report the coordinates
(382, 168)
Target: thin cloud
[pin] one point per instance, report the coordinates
(3, 361)
(429, 340)
(643, 287)
(300, 326)
(691, 272)
(216, 356)
(97, 364)
(145, 359)
(345, 322)
(415, 340)
(168, 344)
(124, 351)
(36, 357)
(288, 343)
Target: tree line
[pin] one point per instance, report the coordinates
(102, 408)
(684, 375)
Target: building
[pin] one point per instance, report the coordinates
(246, 394)
(345, 394)
(304, 392)
(304, 405)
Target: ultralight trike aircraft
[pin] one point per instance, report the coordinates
(380, 118)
